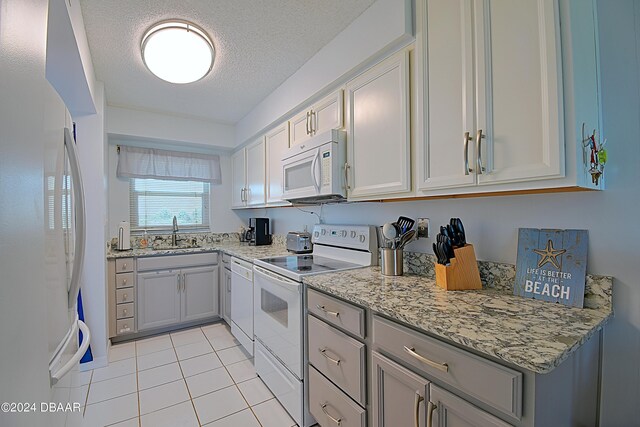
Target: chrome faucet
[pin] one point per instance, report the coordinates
(174, 239)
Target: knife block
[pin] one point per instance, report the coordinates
(462, 274)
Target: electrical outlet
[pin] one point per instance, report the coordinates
(423, 227)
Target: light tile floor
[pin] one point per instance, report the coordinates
(195, 377)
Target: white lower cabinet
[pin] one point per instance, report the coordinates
(399, 395)
(199, 295)
(448, 410)
(378, 136)
(225, 292)
(158, 299)
(171, 297)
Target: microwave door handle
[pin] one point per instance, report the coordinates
(314, 176)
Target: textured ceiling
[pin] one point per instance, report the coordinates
(259, 43)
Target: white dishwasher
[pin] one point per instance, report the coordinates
(242, 302)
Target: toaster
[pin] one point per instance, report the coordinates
(299, 242)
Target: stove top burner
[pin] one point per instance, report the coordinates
(308, 264)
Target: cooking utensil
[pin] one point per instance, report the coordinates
(437, 253)
(390, 230)
(405, 223)
(448, 248)
(406, 238)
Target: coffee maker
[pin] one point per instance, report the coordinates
(258, 233)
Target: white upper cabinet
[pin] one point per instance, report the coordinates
(493, 80)
(378, 136)
(322, 116)
(493, 98)
(238, 176)
(248, 172)
(277, 143)
(255, 173)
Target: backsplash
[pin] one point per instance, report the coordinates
(501, 277)
(187, 240)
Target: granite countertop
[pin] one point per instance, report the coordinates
(528, 333)
(235, 249)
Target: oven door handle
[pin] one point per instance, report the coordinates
(283, 282)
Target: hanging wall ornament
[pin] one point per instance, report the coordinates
(594, 155)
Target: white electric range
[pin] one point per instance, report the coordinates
(279, 321)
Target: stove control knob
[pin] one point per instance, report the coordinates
(362, 238)
(353, 234)
(316, 234)
(324, 231)
(343, 233)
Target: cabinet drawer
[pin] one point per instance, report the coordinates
(339, 357)
(330, 406)
(124, 295)
(124, 280)
(124, 311)
(482, 379)
(124, 265)
(166, 262)
(124, 326)
(336, 312)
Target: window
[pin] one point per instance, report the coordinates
(154, 202)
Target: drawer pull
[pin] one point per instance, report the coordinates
(323, 351)
(124, 266)
(333, 313)
(417, 409)
(430, 408)
(125, 297)
(124, 281)
(124, 311)
(441, 366)
(338, 421)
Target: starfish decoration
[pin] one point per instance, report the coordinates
(549, 255)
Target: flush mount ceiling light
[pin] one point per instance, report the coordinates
(177, 51)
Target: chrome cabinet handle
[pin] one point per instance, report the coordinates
(346, 176)
(179, 280)
(440, 366)
(333, 313)
(338, 421)
(467, 138)
(416, 406)
(309, 122)
(314, 122)
(242, 194)
(184, 282)
(479, 137)
(323, 351)
(430, 408)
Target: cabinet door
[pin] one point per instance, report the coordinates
(300, 127)
(327, 113)
(158, 299)
(519, 90)
(277, 143)
(255, 173)
(446, 157)
(238, 184)
(227, 296)
(199, 293)
(378, 130)
(448, 410)
(399, 395)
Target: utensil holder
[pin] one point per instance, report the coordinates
(392, 262)
(462, 274)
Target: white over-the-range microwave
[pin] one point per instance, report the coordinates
(313, 171)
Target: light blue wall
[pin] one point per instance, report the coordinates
(612, 217)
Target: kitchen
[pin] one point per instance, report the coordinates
(71, 56)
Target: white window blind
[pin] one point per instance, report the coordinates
(153, 203)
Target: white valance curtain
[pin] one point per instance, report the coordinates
(134, 162)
